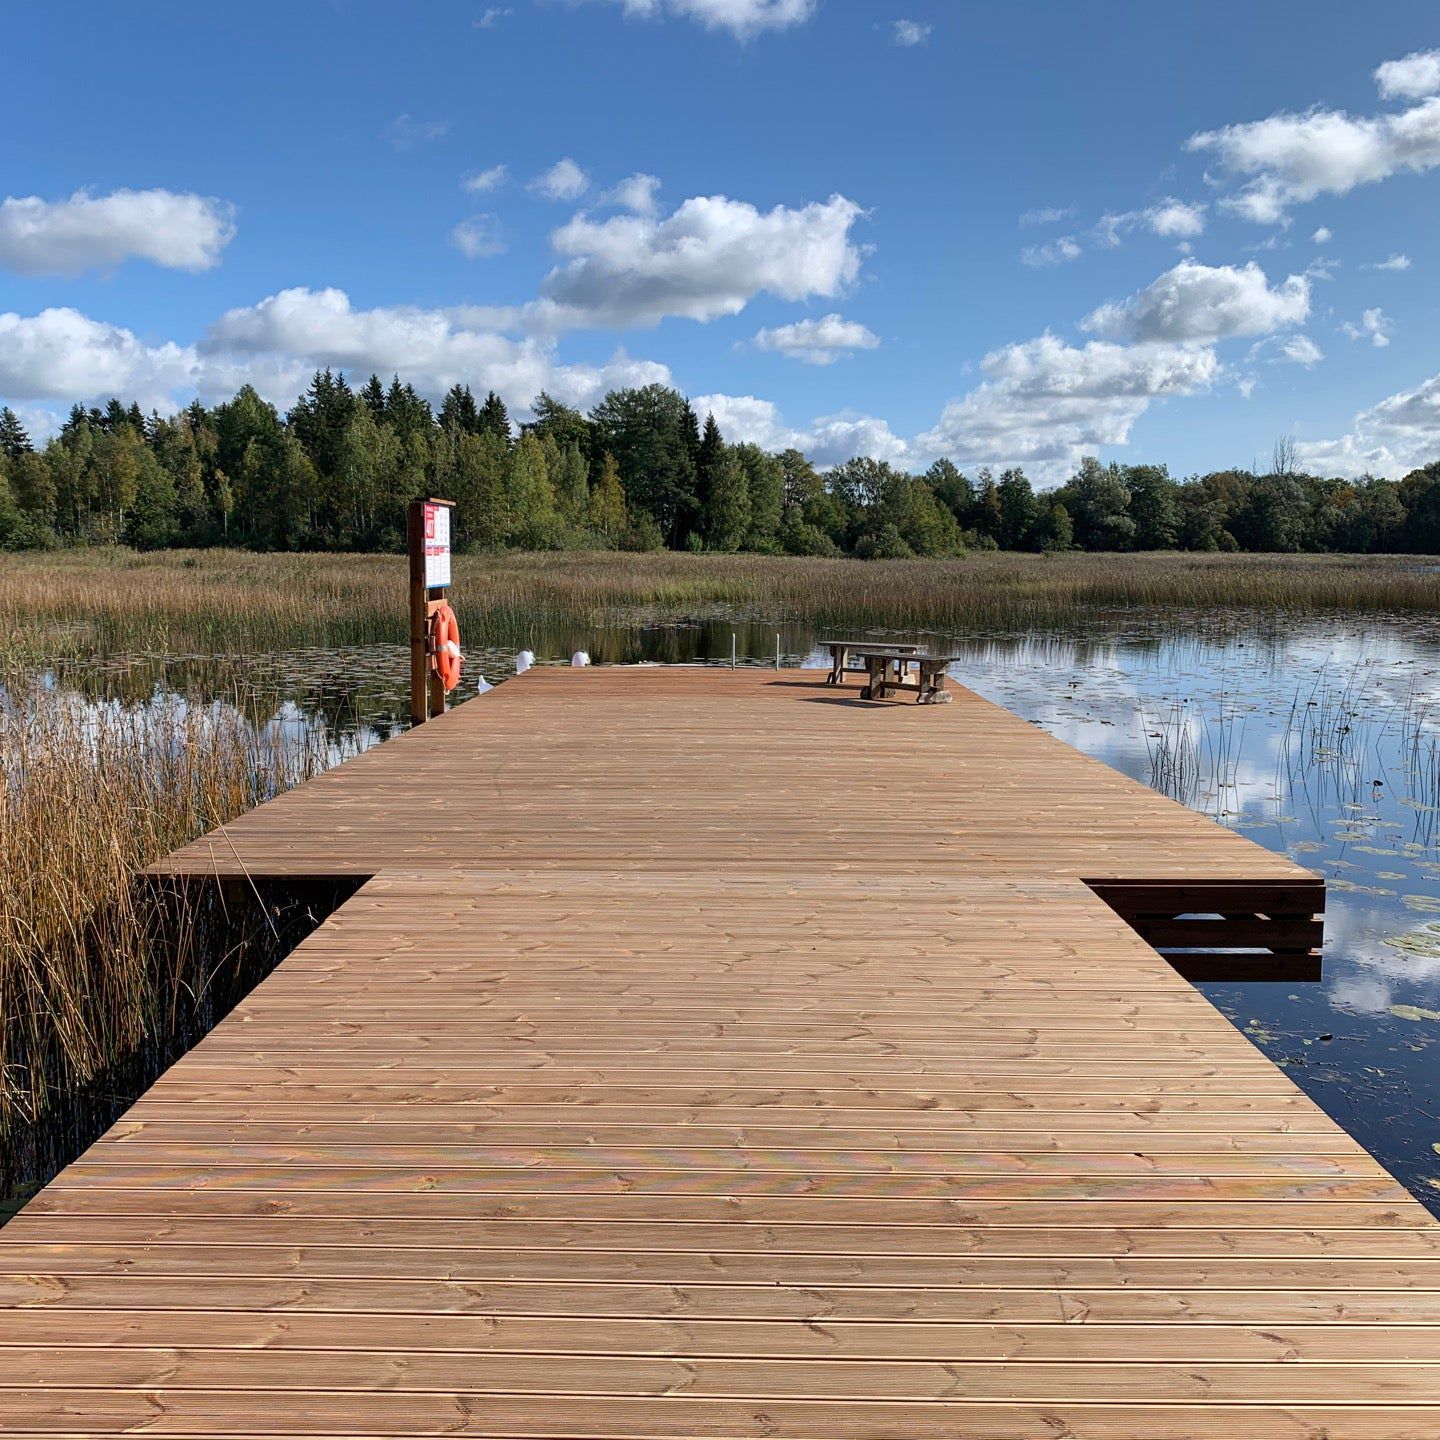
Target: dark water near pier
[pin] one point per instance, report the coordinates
(1317, 738)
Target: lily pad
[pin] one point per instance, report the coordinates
(1414, 1012)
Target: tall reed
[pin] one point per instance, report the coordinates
(102, 976)
(178, 603)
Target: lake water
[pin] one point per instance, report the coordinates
(1317, 738)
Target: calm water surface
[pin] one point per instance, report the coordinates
(1319, 739)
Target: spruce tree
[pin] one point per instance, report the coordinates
(494, 418)
(14, 442)
(459, 415)
(372, 396)
(708, 456)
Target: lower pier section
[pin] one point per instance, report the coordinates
(568, 1152)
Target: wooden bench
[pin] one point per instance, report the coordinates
(887, 670)
(842, 651)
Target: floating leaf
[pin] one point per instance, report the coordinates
(1340, 884)
(1414, 1012)
(1423, 943)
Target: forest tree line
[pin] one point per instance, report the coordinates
(640, 471)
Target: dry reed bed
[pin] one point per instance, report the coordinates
(83, 603)
(94, 984)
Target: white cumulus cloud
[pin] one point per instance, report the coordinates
(1292, 158)
(1176, 219)
(180, 231)
(564, 180)
(1410, 78)
(1195, 302)
(709, 257)
(817, 342)
(636, 193)
(1169, 218)
(1391, 262)
(63, 355)
(1322, 235)
(1044, 404)
(434, 349)
(827, 440)
(1391, 438)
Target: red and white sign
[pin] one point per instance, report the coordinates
(437, 545)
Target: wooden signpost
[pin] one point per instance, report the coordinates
(429, 535)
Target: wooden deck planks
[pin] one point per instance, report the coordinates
(691, 769)
(784, 1113)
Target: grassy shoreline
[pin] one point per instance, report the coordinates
(88, 602)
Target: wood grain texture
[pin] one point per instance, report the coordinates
(711, 1055)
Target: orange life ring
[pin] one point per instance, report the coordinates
(445, 656)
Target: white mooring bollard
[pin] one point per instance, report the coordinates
(580, 659)
(523, 661)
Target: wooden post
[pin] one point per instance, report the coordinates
(429, 585)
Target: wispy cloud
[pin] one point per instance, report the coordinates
(478, 237)
(1374, 326)
(1052, 252)
(481, 182)
(910, 32)
(1047, 215)
(405, 132)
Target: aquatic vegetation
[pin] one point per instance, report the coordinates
(102, 977)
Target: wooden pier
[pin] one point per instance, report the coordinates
(710, 1053)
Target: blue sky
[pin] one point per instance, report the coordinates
(1013, 233)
